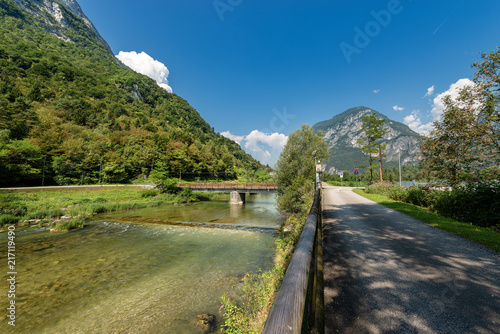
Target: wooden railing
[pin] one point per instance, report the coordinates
(298, 306)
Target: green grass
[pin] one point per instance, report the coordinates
(484, 236)
(84, 202)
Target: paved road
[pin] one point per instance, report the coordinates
(386, 272)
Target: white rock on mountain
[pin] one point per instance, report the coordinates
(40, 9)
(343, 131)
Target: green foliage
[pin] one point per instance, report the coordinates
(373, 132)
(6, 219)
(295, 169)
(69, 224)
(466, 140)
(149, 193)
(294, 198)
(167, 186)
(71, 114)
(44, 213)
(487, 79)
(488, 237)
(260, 289)
(475, 203)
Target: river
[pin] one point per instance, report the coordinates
(135, 272)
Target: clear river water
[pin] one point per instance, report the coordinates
(138, 271)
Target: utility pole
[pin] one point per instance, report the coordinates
(314, 153)
(400, 169)
(100, 169)
(43, 172)
(380, 161)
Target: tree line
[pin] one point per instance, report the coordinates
(70, 113)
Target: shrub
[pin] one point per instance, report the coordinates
(148, 193)
(8, 219)
(168, 186)
(476, 203)
(98, 208)
(44, 213)
(187, 195)
(69, 224)
(99, 200)
(14, 210)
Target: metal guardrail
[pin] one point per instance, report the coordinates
(298, 306)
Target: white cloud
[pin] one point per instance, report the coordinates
(145, 64)
(398, 108)
(453, 92)
(262, 146)
(229, 135)
(430, 91)
(376, 91)
(413, 121)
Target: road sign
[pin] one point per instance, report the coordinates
(356, 171)
(341, 175)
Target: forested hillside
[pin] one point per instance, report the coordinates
(69, 109)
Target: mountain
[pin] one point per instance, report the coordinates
(55, 19)
(70, 112)
(343, 130)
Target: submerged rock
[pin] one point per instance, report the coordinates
(206, 322)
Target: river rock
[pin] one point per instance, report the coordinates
(206, 322)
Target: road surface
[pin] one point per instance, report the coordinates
(386, 272)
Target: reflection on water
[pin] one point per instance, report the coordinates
(122, 277)
(258, 212)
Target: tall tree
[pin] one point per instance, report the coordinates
(373, 132)
(465, 141)
(487, 79)
(295, 169)
(453, 148)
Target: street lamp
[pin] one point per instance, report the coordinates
(314, 154)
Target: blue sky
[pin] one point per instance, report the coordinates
(257, 70)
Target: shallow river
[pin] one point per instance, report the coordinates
(133, 272)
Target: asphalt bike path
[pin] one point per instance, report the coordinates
(386, 272)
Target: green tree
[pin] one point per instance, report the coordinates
(457, 146)
(373, 132)
(487, 79)
(465, 141)
(295, 169)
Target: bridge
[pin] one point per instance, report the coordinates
(237, 190)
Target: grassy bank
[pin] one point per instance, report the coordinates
(482, 235)
(67, 208)
(247, 312)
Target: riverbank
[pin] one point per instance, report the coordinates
(65, 208)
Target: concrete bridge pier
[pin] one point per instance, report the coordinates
(237, 198)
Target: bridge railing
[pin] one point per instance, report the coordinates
(298, 306)
(228, 185)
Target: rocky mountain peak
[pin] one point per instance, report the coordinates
(343, 131)
(55, 17)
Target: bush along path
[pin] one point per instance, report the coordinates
(471, 211)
